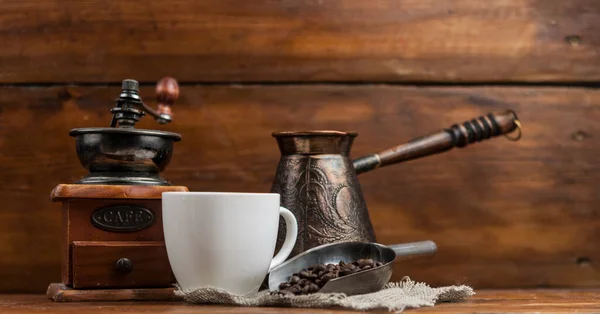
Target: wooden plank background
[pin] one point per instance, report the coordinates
(504, 214)
(300, 40)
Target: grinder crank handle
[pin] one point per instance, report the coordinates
(458, 135)
(167, 92)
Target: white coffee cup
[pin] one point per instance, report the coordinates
(224, 240)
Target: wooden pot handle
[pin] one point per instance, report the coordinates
(458, 135)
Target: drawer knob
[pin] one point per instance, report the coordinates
(124, 265)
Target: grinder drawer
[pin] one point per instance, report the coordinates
(120, 264)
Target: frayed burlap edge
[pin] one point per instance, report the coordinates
(394, 297)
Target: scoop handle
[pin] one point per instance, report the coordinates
(458, 135)
(414, 250)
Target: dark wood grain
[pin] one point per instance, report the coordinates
(306, 40)
(485, 301)
(94, 264)
(504, 214)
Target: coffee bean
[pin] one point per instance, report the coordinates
(294, 279)
(350, 267)
(313, 288)
(307, 289)
(284, 285)
(313, 278)
(364, 262)
(286, 293)
(303, 282)
(327, 277)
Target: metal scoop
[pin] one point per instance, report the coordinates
(367, 281)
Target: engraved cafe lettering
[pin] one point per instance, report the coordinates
(123, 218)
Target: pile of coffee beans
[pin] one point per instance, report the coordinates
(313, 278)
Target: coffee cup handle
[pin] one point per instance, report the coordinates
(291, 234)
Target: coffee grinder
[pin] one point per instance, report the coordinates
(113, 245)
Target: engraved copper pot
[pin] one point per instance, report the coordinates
(317, 179)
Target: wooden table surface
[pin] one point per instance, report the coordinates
(485, 301)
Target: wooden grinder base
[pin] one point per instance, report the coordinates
(58, 292)
(101, 263)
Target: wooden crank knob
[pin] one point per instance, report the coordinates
(167, 92)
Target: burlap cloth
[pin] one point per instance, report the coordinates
(394, 297)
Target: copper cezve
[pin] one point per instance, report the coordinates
(318, 181)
